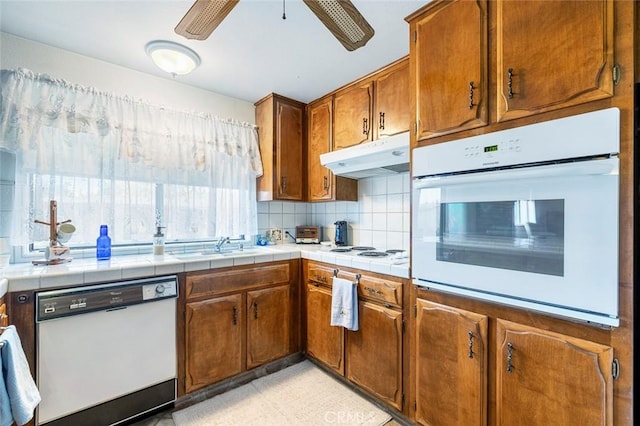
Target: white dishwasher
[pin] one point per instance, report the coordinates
(106, 353)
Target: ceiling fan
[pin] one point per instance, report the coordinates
(339, 16)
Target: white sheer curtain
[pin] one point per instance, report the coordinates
(114, 160)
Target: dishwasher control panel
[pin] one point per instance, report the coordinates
(78, 300)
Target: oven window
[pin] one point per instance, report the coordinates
(519, 235)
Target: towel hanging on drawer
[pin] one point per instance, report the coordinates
(344, 304)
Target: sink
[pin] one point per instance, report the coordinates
(209, 254)
(196, 256)
(241, 252)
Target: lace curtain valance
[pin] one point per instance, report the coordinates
(64, 134)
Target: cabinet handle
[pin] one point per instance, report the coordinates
(471, 88)
(381, 123)
(509, 357)
(510, 82)
(255, 310)
(471, 344)
(283, 183)
(371, 290)
(325, 185)
(235, 315)
(365, 127)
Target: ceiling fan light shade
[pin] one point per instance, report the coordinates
(172, 57)
(343, 20)
(203, 17)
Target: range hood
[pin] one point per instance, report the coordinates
(383, 157)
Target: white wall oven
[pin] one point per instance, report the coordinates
(526, 217)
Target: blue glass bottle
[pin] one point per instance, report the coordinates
(103, 244)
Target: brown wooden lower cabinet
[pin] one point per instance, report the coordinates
(374, 353)
(546, 378)
(451, 365)
(538, 376)
(237, 319)
(268, 325)
(324, 342)
(214, 340)
(372, 357)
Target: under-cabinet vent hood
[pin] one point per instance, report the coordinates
(385, 156)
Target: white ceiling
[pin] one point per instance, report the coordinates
(252, 53)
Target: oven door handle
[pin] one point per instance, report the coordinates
(608, 166)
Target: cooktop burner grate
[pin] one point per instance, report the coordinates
(373, 254)
(362, 248)
(394, 251)
(341, 250)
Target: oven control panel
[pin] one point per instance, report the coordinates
(580, 136)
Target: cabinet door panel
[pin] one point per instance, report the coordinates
(560, 53)
(374, 353)
(393, 112)
(324, 342)
(548, 378)
(268, 325)
(213, 340)
(289, 137)
(352, 121)
(451, 365)
(319, 177)
(450, 59)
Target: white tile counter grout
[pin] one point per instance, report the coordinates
(25, 276)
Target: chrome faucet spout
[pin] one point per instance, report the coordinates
(220, 242)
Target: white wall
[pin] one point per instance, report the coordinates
(16, 52)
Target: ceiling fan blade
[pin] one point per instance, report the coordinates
(343, 20)
(203, 17)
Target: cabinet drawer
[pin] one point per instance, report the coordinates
(318, 274)
(213, 283)
(381, 290)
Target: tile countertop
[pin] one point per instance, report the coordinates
(25, 276)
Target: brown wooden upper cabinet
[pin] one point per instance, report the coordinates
(548, 56)
(552, 54)
(322, 184)
(281, 126)
(373, 107)
(448, 52)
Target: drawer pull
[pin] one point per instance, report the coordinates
(372, 291)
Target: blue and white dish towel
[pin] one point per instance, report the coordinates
(344, 304)
(19, 395)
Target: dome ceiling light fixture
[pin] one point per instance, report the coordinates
(171, 57)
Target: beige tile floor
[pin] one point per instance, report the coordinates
(164, 419)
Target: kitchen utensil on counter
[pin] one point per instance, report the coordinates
(59, 232)
(65, 231)
(341, 238)
(307, 234)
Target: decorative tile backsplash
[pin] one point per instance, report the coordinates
(380, 217)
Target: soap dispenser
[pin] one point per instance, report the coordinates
(158, 241)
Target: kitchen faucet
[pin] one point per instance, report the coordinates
(220, 242)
